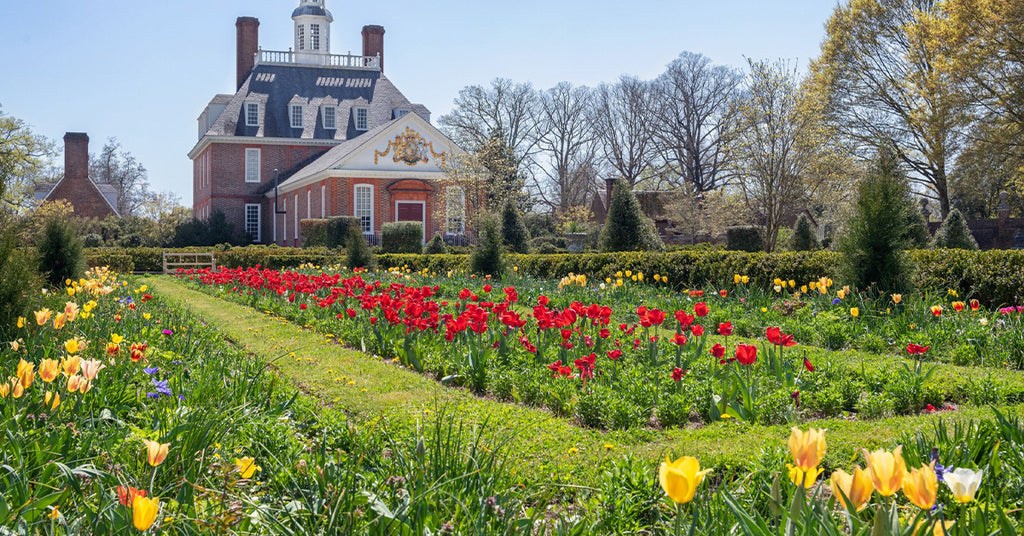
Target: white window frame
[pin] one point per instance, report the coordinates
(253, 174)
(309, 202)
(314, 36)
(399, 112)
(259, 220)
(333, 124)
(364, 120)
(323, 201)
(355, 206)
(448, 211)
(284, 221)
(295, 112)
(296, 218)
(301, 36)
(252, 114)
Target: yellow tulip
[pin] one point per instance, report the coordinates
(963, 483)
(680, 478)
(21, 322)
(841, 294)
(803, 288)
(156, 453)
(247, 466)
(116, 339)
(73, 346)
(802, 477)
(857, 488)
(26, 373)
(71, 365)
(745, 280)
(897, 298)
(52, 396)
(886, 469)
(144, 512)
(939, 529)
(807, 448)
(43, 316)
(736, 279)
(792, 284)
(48, 370)
(921, 485)
(16, 388)
(854, 312)
(71, 311)
(60, 320)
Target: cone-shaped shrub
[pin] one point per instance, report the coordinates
(876, 242)
(803, 235)
(436, 246)
(487, 257)
(917, 229)
(61, 256)
(357, 251)
(17, 278)
(626, 228)
(513, 231)
(954, 233)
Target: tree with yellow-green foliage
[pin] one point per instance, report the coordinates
(887, 73)
(22, 155)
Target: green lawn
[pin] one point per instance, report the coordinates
(544, 448)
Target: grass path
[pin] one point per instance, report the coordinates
(545, 448)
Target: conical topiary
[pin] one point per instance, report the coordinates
(875, 246)
(917, 229)
(487, 257)
(954, 233)
(357, 251)
(436, 246)
(61, 256)
(803, 235)
(513, 231)
(626, 228)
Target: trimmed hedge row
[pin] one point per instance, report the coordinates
(995, 277)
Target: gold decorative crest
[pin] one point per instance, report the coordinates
(409, 147)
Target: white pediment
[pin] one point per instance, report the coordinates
(409, 144)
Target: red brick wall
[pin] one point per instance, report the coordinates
(76, 188)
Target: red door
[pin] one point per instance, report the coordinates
(409, 212)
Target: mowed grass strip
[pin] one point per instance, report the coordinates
(542, 448)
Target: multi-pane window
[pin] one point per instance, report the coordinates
(314, 36)
(364, 207)
(309, 203)
(400, 112)
(300, 36)
(252, 114)
(362, 118)
(252, 221)
(455, 210)
(252, 165)
(296, 116)
(330, 114)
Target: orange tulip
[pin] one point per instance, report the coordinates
(886, 469)
(26, 373)
(48, 370)
(156, 452)
(43, 316)
(857, 488)
(144, 512)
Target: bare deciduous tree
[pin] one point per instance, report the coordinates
(622, 127)
(117, 167)
(505, 108)
(691, 118)
(565, 146)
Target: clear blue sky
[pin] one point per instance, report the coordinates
(143, 70)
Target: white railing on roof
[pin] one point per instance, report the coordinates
(314, 59)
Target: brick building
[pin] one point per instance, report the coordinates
(89, 199)
(338, 136)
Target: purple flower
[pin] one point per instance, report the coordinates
(152, 395)
(150, 370)
(162, 388)
(168, 332)
(835, 301)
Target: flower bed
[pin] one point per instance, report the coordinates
(592, 352)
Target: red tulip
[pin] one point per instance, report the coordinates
(614, 354)
(808, 365)
(917, 348)
(778, 338)
(700, 309)
(725, 328)
(746, 354)
(723, 293)
(697, 330)
(718, 351)
(679, 339)
(677, 374)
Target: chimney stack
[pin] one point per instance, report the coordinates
(76, 156)
(373, 42)
(609, 186)
(248, 42)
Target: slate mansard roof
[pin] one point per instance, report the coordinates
(275, 87)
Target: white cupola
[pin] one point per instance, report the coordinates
(312, 31)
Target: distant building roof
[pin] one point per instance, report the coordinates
(312, 10)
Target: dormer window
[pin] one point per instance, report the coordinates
(252, 114)
(296, 115)
(399, 112)
(330, 115)
(361, 116)
(300, 36)
(314, 36)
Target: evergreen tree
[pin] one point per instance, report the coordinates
(876, 243)
(513, 231)
(487, 257)
(505, 183)
(954, 233)
(436, 246)
(626, 228)
(17, 278)
(61, 256)
(803, 236)
(357, 252)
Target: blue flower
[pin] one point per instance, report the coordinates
(162, 388)
(835, 301)
(150, 370)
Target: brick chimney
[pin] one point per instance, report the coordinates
(373, 42)
(609, 186)
(248, 42)
(76, 156)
